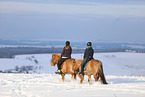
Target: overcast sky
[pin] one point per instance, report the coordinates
(74, 20)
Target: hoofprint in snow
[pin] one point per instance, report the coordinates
(125, 73)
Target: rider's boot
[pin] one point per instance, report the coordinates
(82, 69)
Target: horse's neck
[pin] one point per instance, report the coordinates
(58, 55)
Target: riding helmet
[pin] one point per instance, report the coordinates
(89, 44)
(67, 43)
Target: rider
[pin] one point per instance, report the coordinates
(88, 55)
(65, 54)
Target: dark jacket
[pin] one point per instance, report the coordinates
(89, 52)
(66, 52)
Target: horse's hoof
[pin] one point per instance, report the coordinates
(90, 83)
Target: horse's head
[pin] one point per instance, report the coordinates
(55, 59)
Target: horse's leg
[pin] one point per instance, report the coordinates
(82, 78)
(98, 76)
(72, 76)
(95, 77)
(62, 74)
(89, 79)
(75, 76)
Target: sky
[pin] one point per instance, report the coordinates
(73, 20)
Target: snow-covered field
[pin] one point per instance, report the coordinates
(125, 73)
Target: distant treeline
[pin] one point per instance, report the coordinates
(10, 52)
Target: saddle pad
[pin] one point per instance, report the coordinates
(85, 65)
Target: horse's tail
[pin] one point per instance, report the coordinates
(101, 73)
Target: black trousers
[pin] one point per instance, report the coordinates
(60, 62)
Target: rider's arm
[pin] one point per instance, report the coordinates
(62, 53)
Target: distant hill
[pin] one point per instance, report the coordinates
(10, 48)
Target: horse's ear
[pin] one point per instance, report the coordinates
(53, 55)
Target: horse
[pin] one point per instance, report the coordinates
(94, 67)
(67, 66)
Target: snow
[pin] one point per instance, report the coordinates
(125, 73)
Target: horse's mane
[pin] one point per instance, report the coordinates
(57, 54)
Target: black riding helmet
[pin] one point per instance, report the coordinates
(67, 43)
(89, 44)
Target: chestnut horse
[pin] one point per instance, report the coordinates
(94, 67)
(67, 66)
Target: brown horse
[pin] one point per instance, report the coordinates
(94, 67)
(67, 67)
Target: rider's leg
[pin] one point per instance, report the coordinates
(83, 65)
(60, 62)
